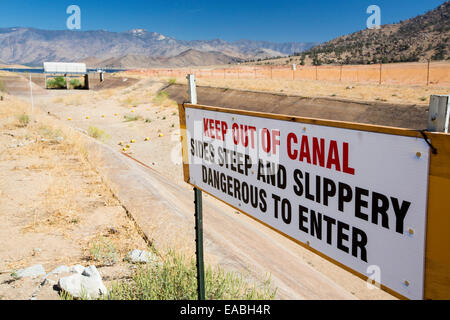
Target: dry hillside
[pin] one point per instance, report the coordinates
(417, 39)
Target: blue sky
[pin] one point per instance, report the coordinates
(278, 21)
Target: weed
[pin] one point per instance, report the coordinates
(24, 120)
(50, 133)
(2, 87)
(97, 133)
(103, 251)
(175, 279)
(162, 99)
(129, 118)
(172, 80)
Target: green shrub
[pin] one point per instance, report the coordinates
(97, 133)
(57, 83)
(129, 117)
(75, 84)
(103, 251)
(172, 81)
(24, 120)
(175, 279)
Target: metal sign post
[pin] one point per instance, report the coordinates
(198, 212)
(199, 244)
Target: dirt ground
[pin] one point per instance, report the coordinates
(54, 207)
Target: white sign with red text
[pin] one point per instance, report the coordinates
(358, 197)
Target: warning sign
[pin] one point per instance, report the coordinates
(357, 197)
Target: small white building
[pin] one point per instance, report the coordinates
(67, 70)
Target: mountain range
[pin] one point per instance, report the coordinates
(135, 48)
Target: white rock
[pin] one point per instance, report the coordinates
(140, 256)
(60, 269)
(57, 270)
(48, 282)
(77, 269)
(91, 272)
(80, 286)
(33, 271)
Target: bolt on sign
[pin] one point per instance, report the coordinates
(355, 194)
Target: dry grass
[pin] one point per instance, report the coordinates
(162, 99)
(310, 88)
(145, 92)
(74, 190)
(399, 94)
(136, 97)
(76, 99)
(107, 93)
(12, 107)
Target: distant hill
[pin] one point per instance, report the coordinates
(189, 57)
(424, 37)
(34, 46)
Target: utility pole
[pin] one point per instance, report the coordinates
(31, 96)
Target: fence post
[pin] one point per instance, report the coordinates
(438, 114)
(380, 72)
(428, 72)
(192, 89)
(340, 74)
